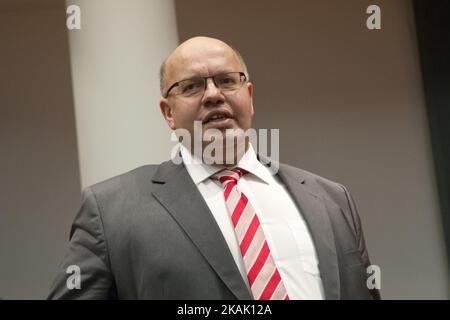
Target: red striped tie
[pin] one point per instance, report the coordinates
(262, 273)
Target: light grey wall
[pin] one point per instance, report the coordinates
(349, 105)
(115, 60)
(40, 188)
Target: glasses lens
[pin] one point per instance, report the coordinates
(229, 81)
(191, 87)
(194, 86)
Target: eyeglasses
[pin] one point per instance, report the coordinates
(229, 81)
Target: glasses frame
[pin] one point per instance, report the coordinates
(241, 74)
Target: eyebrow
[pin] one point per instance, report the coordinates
(202, 76)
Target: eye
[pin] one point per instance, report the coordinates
(226, 81)
(191, 86)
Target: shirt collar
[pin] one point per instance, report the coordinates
(200, 171)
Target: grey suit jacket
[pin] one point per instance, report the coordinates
(148, 234)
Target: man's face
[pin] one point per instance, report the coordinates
(206, 57)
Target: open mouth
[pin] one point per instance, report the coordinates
(216, 118)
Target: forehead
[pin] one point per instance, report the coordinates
(201, 60)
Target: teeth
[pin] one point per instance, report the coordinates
(217, 116)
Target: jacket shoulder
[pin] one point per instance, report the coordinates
(318, 185)
(310, 177)
(125, 182)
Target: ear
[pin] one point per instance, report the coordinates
(250, 93)
(166, 111)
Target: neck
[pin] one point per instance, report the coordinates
(221, 154)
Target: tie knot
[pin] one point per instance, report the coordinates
(226, 176)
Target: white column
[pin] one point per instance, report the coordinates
(115, 59)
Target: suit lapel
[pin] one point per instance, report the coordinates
(181, 198)
(316, 216)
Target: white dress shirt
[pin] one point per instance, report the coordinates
(286, 231)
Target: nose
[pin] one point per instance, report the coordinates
(212, 95)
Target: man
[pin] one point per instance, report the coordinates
(202, 230)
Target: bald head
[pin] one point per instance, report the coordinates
(193, 52)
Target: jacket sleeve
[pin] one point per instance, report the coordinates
(84, 272)
(360, 238)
